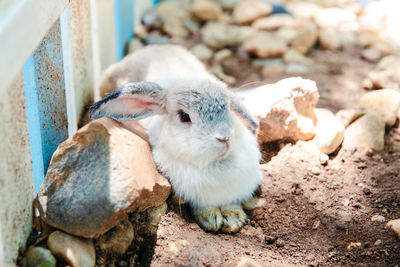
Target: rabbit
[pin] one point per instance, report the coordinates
(197, 132)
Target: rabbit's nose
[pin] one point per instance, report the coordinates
(223, 140)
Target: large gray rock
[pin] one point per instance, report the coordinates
(385, 102)
(97, 176)
(366, 132)
(78, 252)
(285, 110)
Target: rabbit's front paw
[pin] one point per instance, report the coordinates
(210, 219)
(233, 218)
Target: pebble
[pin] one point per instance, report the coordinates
(305, 38)
(246, 11)
(395, 226)
(206, 9)
(347, 116)
(366, 132)
(279, 243)
(228, 4)
(118, 239)
(294, 56)
(378, 242)
(296, 68)
(378, 218)
(329, 131)
(38, 256)
(247, 262)
(323, 159)
(353, 245)
(273, 23)
(316, 224)
(218, 34)
(156, 39)
(76, 251)
(385, 102)
(151, 19)
(371, 54)
(270, 239)
(202, 52)
(222, 55)
(265, 45)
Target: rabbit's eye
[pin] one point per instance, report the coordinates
(183, 116)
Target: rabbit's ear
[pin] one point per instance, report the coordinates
(133, 101)
(238, 107)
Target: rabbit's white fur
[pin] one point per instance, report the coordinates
(197, 175)
(215, 177)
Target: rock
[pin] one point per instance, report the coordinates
(241, 33)
(286, 34)
(329, 131)
(294, 56)
(279, 243)
(315, 170)
(378, 242)
(265, 45)
(272, 70)
(304, 10)
(202, 52)
(371, 54)
(353, 245)
(254, 203)
(305, 38)
(206, 9)
(134, 45)
(335, 18)
(78, 252)
(323, 159)
(274, 22)
(118, 239)
(156, 39)
(37, 256)
(328, 38)
(222, 54)
(387, 73)
(366, 37)
(97, 176)
(378, 218)
(151, 19)
(247, 262)
(219, 72)
(347, 116)
(269, 240)
(366, 132)
(296, 68)
(385, 102)
(173, 13)
(154, 215)
(228, 4)
(191, 26)
(218, 34)
(285, 110)
(395, 226)
(246, 11)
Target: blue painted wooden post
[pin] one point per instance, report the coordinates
(46, 101)
(123, 14)
(155, 2)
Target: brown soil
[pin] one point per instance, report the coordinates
(310, 218)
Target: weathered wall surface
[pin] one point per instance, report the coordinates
(16, 183)
(82, 58)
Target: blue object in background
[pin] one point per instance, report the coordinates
(123, 13)
(279, 9)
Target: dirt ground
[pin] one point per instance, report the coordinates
(315, 214)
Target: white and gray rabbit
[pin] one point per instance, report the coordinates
(197, 132)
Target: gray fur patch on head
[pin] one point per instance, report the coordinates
(210, 108)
